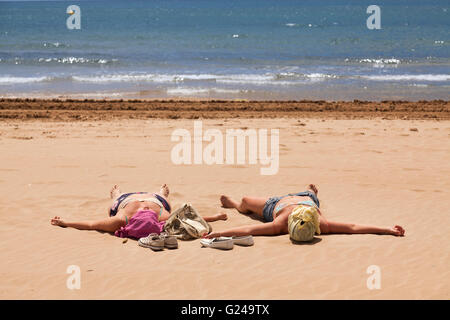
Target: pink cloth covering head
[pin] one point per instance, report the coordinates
(141, 225)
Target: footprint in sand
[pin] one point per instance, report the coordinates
(238, 166)
(124, 166)
(296, 167)
(67, 166)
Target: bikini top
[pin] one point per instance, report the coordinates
(124, 199)
(283, 205)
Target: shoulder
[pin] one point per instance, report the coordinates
(281, 223)
(324, 225)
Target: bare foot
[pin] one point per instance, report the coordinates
(313, 188)
(397, 231)
(56, 221)
(227, 202)
(164, 190)
(222, 216)
(115, 192)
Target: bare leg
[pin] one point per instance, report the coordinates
(164, 191)
(115, 192)
(247, 204)
(313, 188)
(220, 216)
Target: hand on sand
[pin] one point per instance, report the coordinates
(212, 235)
(56, 221)
(397, 231)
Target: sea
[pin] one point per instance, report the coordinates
(226, 49)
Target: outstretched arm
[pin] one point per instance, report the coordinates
(351, 228)
(109, 224)
(265, 229)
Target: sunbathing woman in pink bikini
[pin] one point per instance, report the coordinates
(133, 215)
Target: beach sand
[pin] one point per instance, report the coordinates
(374, 163)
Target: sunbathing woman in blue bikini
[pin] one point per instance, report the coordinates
(297, 214)
(152, 209)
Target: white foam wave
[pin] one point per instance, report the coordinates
(375, 62)
(286, 78)
(246, 78)
(168, 78)
(183, 91)
(18, 80)
(54, 44)
(112, 78)
(409, 77)
(76, 60)
(252, 79)
(381, 61)
(313, 77)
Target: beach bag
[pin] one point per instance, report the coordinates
(186, 224)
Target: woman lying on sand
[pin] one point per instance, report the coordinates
(294, 214)
(144, 212)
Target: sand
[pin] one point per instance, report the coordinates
(375, 167)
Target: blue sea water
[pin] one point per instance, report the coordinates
(245, 49)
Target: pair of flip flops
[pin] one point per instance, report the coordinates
(227, 243)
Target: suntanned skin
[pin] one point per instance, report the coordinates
(112, 224)
(279, 226)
